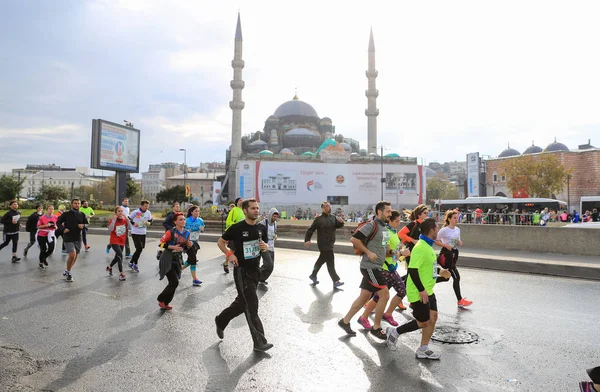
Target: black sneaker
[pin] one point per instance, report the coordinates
(109, 270)
(226, 268)
(220, 332)
(314, 280)
(15, 259)
(263, 282)
(346, 328)
(25, 252)
(45, 263)
(41, 265)
(263, 347)
(69, 278)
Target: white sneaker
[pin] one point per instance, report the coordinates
(392, 338)
(427, 354)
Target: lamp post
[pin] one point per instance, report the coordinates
(185, 172)
(569, 193)
(382, 180)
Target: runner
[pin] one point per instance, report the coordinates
(246, 238)
(594, 385)
(419, 287)
(169, 223)
(372, 240)
(141, 219)
(325, 225)
(236, 214)
(45, 235)
(31, 226)
(270, 223)
(390, 275)
(10, 220)
(449, 239)
(176, 241)
(125, 205)
(89, 213)
(195, 225)
(410, 233)
(72, 223)
(118, 226)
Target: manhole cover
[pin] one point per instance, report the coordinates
(454, 335)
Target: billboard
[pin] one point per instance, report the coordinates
(473, 174)
(340, 184)
(115, 147)
(216, 196)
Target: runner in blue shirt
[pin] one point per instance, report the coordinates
(195, 225)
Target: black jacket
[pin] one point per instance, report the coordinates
(31, 225)
(7, 221)
(70, 220)
(325, 226)
(169, 222)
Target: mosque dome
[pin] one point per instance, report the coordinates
(556, 146)
(301, 137)
(295, 107)
(533, 149)
(286, 151)
(509, 152)
(257, 146)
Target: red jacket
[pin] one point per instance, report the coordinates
(118, 231)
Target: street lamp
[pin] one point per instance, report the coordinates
(382, 177)
(185, 172)
(569, 193)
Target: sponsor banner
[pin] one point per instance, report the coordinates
(473, 174)
(216, 196)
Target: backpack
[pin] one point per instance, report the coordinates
(369, 238)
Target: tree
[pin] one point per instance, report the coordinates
(132, 187)
(539, 176)
(440, 188)
(52, 192)
(10, 187)
(171, 195)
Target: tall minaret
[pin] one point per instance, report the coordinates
(372, 112)
(236, 105)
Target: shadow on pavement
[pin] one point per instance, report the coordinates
(319, 311)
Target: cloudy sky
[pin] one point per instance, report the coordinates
(454, 77)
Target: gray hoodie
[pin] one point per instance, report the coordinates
(271, 228)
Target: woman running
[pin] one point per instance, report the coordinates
(175, 241)
(390, 274)
(118, 226)
(46, 225)
(449, 239)
(195, 225)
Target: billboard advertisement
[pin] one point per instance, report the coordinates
(115, 147)
(216, 196)
(473, 174)
(340, 184)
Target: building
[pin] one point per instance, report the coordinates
(63, 178)
(201, 185)
(584, 164)
(154, 180)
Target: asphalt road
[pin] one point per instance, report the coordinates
(536, 333)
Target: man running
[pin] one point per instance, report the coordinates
(10, 220)
(422, 275)
(72, 222)
(235, 215)
(140, 219)
(372, 240)
(325, 225)
(125, 206)
(89, 213)
(269, 262)
(247, 238)
(31, 226)
(169, 223)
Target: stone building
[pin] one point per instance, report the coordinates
(201, 185)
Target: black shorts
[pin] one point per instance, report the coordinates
(372, 280)
(421, 310)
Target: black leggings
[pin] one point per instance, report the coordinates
(118, 256)
(46, 248)
(167, 294)
(10, 237)
(447, 259)
(139, 241)
(31, 240)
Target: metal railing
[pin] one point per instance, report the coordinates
(500, 218)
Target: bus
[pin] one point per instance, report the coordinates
(588, 203)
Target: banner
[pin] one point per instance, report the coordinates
(473, 174)
(216, 196)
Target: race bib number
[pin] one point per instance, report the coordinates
(194, 235)
(251, 249)
(16, 218)
(435, 270)
(120, 230)
(385, 239)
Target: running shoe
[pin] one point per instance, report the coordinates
(226, 267)
(131, 266)
(263, 347)
(263, 282)
(464, 303)
(129, 256)
(25, 252)
(392, 338)
(122, 278)
(346, 328)
(587, 386)
(45, 263)
(136, 268)
(70, 278)
(196, 282)
(338, 284)
(109, 270)
(65, 273)
(87, 247)
(378, 333)
(220, 332)
(364, 322)
(314, 280)
(41, 265)
(107, 249)
(164, 306)
(428, 354)
(401, 307)
(390, 320)
(15, 259)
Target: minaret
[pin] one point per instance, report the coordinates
(236, 105)
(372, 112)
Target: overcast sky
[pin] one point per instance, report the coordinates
(454, 76)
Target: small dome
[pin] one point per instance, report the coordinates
(533, 149)
(556, 146)
(429, 173)
(346, 146)
(325, 120)
(308, 153)
(257, 146)
(509, 152)
(273, 118)
(286, 151)
(374, 154)
(258, 143)
(265, 152)
(295, 107)
(392, 155)
(301, 137)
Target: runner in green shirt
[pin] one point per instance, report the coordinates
(89, 213)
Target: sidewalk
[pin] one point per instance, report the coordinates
(554, 264)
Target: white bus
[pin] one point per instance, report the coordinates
(588, 203)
